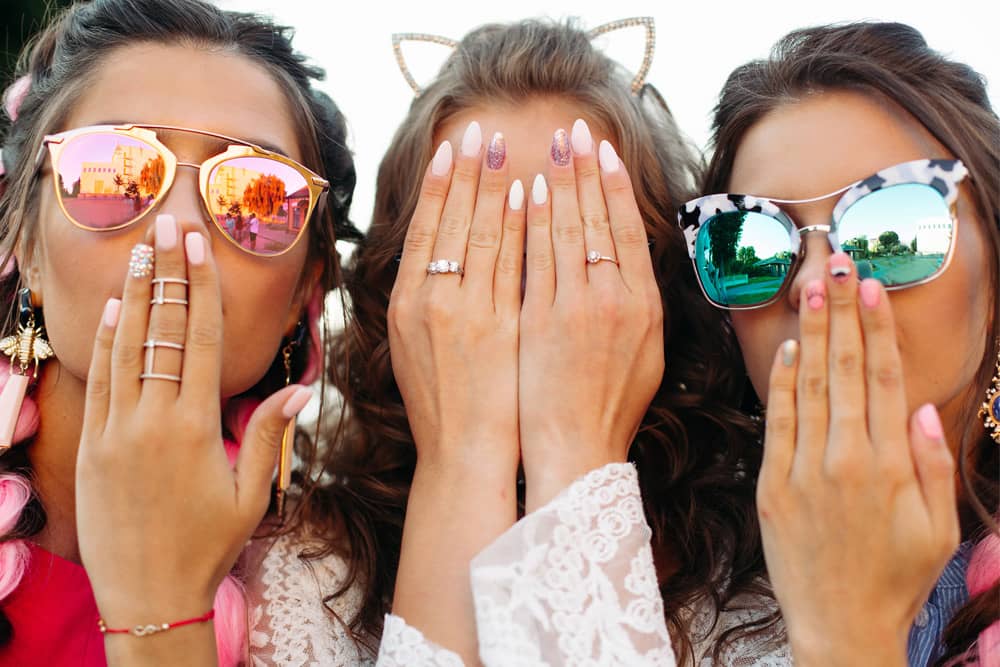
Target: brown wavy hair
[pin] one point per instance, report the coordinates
(893, 61)
(696, 453)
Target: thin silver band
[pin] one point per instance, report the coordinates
(159, 291)
(593, 257)
(151, 345)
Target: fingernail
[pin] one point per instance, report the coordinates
(166, 232)
(539, 190)
(560, 148)
(789, 352)
(816, 294)
(608, 158)
(497, 152)
(296, 402)
(140, 264)
(112, 309)
(840, 267)
(871, 292)
(442, 159)
(580, 137)
(194, 244)
(516, 198)
(472, 141)
(930, 422)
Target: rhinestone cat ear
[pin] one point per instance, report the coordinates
(397, 48)
(989, 411)
(646, 22)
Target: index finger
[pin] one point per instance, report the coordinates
(422, 231)
(627, 227)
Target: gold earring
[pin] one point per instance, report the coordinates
(990, 409)
(288, 436)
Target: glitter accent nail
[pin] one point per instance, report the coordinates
(497, 152)
(140, 264)
(560, 148)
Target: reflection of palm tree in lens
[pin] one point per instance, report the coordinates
(265, 195)
(119, 182)
(151, 176)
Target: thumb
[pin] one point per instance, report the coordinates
(261, 444)
(935, 470)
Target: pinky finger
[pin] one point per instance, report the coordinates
(98, 401)
(935, 468)
(780, 426)
(510, 261)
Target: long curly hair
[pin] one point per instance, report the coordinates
(696, 453)
(53, 74)
(949, 99)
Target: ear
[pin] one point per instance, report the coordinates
(397, 41)
(24, 261)
(306, 291)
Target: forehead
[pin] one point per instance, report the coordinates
(188, 86)
(527, 127)
(824, 141)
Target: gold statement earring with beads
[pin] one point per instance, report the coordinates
(27, 349)
(990, 409)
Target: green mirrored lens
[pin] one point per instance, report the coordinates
(897, 235)
(742, 258)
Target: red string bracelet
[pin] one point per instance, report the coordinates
(144, 630)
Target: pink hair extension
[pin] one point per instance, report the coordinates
(15, 95)
(230, 622)
(14, 495)
(983, 572)
(27, 420)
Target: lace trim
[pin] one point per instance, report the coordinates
(404, 646)
(574, 582)
(289, 624)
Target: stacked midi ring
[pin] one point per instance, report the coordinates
(444, 266)
(159, 291)
(593, 257)
(151, 345)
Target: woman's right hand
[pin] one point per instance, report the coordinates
(453, 340)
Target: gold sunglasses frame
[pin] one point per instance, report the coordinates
(56, 143)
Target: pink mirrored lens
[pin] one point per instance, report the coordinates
(259, 203)
(106, 180)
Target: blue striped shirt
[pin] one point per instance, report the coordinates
(950, 593)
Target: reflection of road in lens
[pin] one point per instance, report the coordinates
(102, 212)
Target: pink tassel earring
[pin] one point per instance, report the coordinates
(26, 349)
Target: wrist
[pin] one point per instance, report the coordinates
(868, 648)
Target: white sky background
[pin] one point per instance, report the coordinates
(698, 43)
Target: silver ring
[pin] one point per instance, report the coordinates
(151, 345)
(159, 288)
(444, 266)
(593, 257)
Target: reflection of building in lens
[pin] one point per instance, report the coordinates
(124, 168)
(229, 183)
(933, 236)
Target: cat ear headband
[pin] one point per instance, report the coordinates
(639, 21)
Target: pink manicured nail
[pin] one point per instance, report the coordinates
(840, 266)
(580, 138)
(112, 309)
(296, 402)
(930, 422)
(472, 141)
(194, 244)
(560, 148)
(442, 159)
(871, 292)
(166, 232)
(496, 154)
(816, 294)
(608, 158)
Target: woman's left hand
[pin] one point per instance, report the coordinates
(857, 503)
(161, 513)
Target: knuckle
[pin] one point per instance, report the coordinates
(466, 174)
(418, 237)
(630, 234)
(126, 354)
(204, 336)
(846, 362)
(587, 170)
(814, 385)
(492, 185)
(562, 179)
(169, 329)
(98, 388)
(569, 233)
(781, 426)
(888, 377)
(540, 261)
(435, 190)
(595, 220)
(845, 466)
(509, 263)
(438, 310)
(452, 225)
(484, 238)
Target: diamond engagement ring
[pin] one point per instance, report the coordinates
(593, 257)
(444, 266)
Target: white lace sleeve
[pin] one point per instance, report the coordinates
(289, 624)
(574, 583)
(405, 646)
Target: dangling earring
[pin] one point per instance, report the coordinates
(990, 410)
(288, 436)
(26, 348)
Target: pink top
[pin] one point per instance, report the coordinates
(53, 615)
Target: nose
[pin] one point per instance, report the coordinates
(183, 200)
(814, 248)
